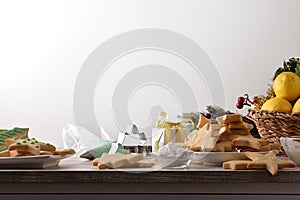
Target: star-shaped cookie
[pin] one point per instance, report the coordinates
(268, 161)
(246, 141)
(116, 160)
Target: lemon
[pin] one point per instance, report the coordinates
(287, 85)
(278, 104)
(296, 107)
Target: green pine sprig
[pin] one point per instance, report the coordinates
(291, 65)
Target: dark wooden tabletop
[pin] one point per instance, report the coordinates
(74, 171)
(75, 176)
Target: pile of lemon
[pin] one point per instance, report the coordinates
(287, 89)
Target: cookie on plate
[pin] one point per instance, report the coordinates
(25, 146)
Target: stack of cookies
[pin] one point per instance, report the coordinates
(230, 134)
(20, 133)
(31, 147)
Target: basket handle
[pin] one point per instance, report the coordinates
(267, 127)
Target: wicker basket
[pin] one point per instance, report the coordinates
(273, 125)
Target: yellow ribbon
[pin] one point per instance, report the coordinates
(163, 122)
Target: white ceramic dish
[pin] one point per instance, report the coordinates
(30, 162)
(291, 147)
(217, 158)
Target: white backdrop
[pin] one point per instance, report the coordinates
(43, 45)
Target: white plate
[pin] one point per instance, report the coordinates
(30, 162)
(217, 158)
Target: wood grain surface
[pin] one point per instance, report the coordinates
(74, 171)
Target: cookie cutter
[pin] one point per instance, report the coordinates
(130, 130)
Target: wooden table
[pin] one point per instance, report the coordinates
(75, 178)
